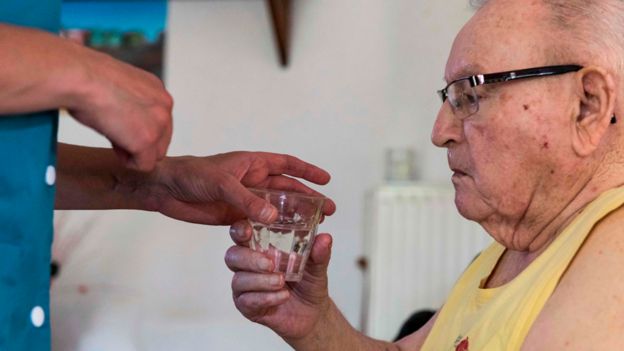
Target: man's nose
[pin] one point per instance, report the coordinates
(447, 128)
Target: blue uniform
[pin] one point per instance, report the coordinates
(27, 177)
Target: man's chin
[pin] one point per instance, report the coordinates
(467, 206)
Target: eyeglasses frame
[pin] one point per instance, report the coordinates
(501, 77)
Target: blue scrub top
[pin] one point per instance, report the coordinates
(27, 177)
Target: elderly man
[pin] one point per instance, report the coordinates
(537, 154)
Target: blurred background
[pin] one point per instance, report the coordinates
(357, 97)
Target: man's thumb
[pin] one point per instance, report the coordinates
(320, 255)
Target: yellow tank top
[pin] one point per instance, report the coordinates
(477, 319)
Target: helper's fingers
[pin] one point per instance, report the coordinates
(121, 154)
(239, 258)
(256, 209)
(140, 161)
(252, 303)
(286, 164)
(280, 182)
(165, 136)
(143, 161)
(244, 282)
(329, 208)
(149, 139)
(163, 144)
(241, 232)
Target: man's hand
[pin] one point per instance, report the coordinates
(301, 313)
(212, 190)
(292, 310)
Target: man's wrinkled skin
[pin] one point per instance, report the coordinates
(524, 165)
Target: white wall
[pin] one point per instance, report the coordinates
(362, 78)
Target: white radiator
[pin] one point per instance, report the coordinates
(416, 247)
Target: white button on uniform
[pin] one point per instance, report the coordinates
(50, 175)
(37, 316)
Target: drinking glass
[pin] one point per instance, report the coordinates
(289, 238)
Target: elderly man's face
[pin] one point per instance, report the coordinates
(513, 150)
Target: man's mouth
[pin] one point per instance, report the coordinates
(458, 172)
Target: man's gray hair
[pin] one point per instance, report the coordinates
(595, 27)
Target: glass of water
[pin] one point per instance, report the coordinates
(289, 238)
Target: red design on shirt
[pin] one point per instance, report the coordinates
(462, 346)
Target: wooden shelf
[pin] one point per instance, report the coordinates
(279, 11)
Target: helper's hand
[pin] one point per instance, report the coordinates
(292, 310)
(212, 190)
(129, 106)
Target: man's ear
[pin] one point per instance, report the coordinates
(596, 91)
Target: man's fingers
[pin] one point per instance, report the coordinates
(249, 303)
(244, 282)
(241, 232)
(320, 255)
(239, 258)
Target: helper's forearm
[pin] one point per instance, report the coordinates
(93, 178)
(38, 71)
(335, 333)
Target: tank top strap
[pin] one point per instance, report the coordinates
(474, 318)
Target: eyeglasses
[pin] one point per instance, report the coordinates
(462, 95)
